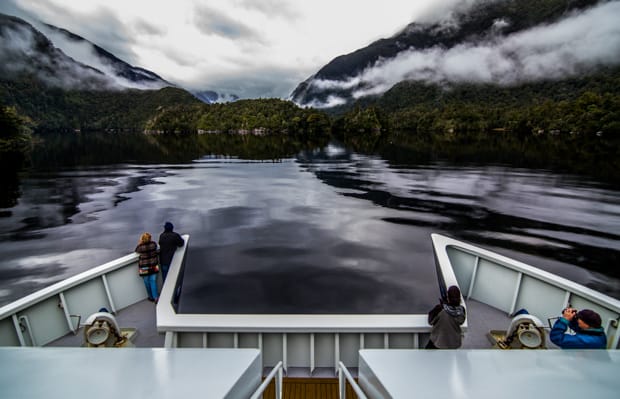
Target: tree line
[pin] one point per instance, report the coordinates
(256, 117)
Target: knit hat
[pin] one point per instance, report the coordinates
(454, 296)
(590, 317)
(168, 226)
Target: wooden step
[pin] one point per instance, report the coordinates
(308, 388)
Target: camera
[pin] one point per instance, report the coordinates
(572, 311)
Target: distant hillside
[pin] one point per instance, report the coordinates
(59, 109)
(211, 97)
(492, 41)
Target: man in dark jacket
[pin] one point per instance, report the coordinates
(169, 241)
(587, 327)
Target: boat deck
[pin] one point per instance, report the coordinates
(481, 319)
(297, 384)
(140, 316)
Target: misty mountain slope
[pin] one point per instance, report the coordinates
(212, 97)
(28, 54)
(408, 94)
(123, 73)
(492, 41)
(89, 53)
(59, 93)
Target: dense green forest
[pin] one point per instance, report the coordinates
(15, 146)
(57, 109)
(579, 106)
(15, 135)
(169, 110)
(572, 124)
(265, 116)
(575, 122)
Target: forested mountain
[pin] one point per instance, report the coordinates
(59, 92)
(509, 68)
(56, 92)
(504, 42)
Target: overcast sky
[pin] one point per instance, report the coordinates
(251, 48)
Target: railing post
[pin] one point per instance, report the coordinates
(342, 389)
(279, 384)
(18, 330)
(470, 289)
(108, 293)
(65, 309)
(343, 376)
(275, 372)
(30, 332)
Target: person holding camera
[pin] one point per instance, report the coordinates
(446, 318)
(587, 327)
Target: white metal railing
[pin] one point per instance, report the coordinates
(343, 376)
(64, 285)
(34, 320)
(441, 243)
(557, 291)
(277, 370)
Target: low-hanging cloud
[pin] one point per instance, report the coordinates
(268, 80)
(569, 47)
(272, 8)
(443, 12)
(213, 22)
(142, 26)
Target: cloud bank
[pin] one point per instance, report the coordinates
(246, 47)
(572, 46)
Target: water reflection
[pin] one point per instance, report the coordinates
(318, 230)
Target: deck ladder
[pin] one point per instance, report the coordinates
(277, 370)
(343, 374)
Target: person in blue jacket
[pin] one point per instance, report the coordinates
(587, 327)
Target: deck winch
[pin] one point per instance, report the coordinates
(102, 330)
(525, 332)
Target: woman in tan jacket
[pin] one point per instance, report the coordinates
(148, 265)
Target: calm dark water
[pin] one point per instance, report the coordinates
(315, 230)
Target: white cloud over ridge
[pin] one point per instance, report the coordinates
(19, 48)
(85, 53)
(576, 44)
(265, 49)
(249, 48)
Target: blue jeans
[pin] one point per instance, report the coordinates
(150, 282)
(164, 271)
